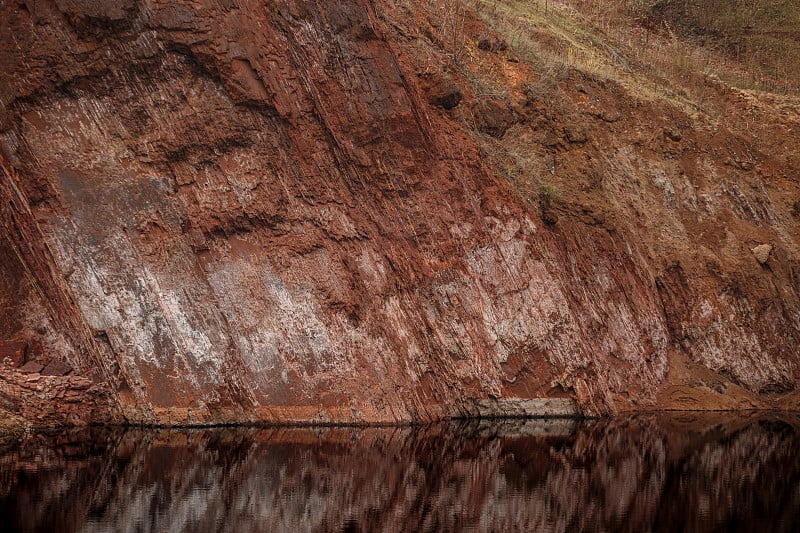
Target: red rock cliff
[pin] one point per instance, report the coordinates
(235, 211)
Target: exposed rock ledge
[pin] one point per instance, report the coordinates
(534, 407)
(31, 399)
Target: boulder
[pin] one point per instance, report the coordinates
(762, 253)
(32, 367)
(56, 368)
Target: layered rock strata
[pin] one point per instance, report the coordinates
(235, 211)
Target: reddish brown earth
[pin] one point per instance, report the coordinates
(232, 211)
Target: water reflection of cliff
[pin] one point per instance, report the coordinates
(637, 474)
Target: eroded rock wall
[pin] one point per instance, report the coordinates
(245, 211)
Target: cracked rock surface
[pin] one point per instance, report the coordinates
(232, 211)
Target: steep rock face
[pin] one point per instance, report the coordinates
(235, 211)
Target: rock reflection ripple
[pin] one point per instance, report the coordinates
(644, 473)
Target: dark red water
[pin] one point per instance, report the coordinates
(647, 473)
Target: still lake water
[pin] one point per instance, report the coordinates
(684, 472)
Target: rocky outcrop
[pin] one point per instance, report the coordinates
(238, 211)
(39, 400)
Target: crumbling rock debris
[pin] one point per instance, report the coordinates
(673, 134)
(576, 134)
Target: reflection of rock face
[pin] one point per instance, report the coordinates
(630, 475)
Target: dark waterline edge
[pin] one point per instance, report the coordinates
(11, 433)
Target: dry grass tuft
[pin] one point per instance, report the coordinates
(658, 47)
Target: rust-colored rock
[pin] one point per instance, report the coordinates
(441, 90)
(31, 367)
(13, 352)
(56, 368)
(762, 253)
(248, 211)
(53, 401)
